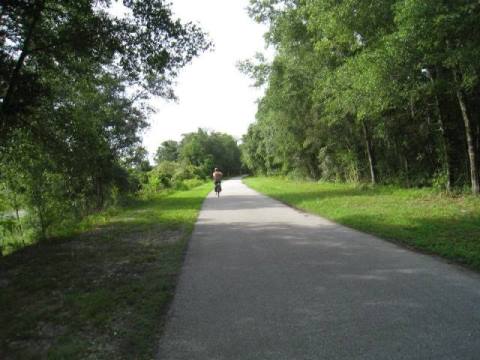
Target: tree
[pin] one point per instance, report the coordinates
(449, 52)
(48, 38)
(138, 159)
(91, 127)
(385, 90)
(69, 147)
(167, 151)
(209, 150)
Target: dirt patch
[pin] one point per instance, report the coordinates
(99, 270)
(101, 294)
(155, 235)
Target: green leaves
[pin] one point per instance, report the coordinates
(209, 150)
(74, 38)
(68, 126)
(167, 151)
(397, 66)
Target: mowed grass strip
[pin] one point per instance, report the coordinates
(102, 294)
(421, 218)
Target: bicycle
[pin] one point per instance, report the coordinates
(218, 188)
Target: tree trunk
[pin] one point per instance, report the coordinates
(412, 107)
(472, 155)
(312, 165)
(445, 143)
(447, 158)
(43, 225)
(470, 136)
(474, 107)
(370, 154)
(100, 193)
(477, 144)
(407, 170)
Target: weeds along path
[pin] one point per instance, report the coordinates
(102, 294)
(264, 281)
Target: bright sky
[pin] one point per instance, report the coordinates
(212, 93)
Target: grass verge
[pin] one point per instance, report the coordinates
(101, 294)
(421, 218)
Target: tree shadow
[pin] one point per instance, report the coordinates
(339, 282)
(454, 239)
(240, 202)
(308, 195)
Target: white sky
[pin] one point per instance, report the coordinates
(212, 93)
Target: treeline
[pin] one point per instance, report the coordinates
(191, 160)
(381, 90)
(73, 80)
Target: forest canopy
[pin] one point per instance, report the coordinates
(379, 91)
(74, 78)
(193, 159)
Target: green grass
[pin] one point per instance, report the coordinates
(421, 218)
(103, 293)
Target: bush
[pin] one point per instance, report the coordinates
(192, 183)
(171, 175)
(187, 171)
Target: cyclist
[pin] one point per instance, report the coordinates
(217, 178)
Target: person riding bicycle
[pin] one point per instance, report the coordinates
(217, 177)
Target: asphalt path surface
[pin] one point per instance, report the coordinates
(264, 281)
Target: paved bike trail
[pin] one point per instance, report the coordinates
(264, 281)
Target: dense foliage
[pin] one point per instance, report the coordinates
(73, 80)
(385, 91)
(193, 158)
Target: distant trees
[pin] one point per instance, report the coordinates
(73, 78)
(167, 151)
(381, 90)
(194, 157)
(209, 150)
